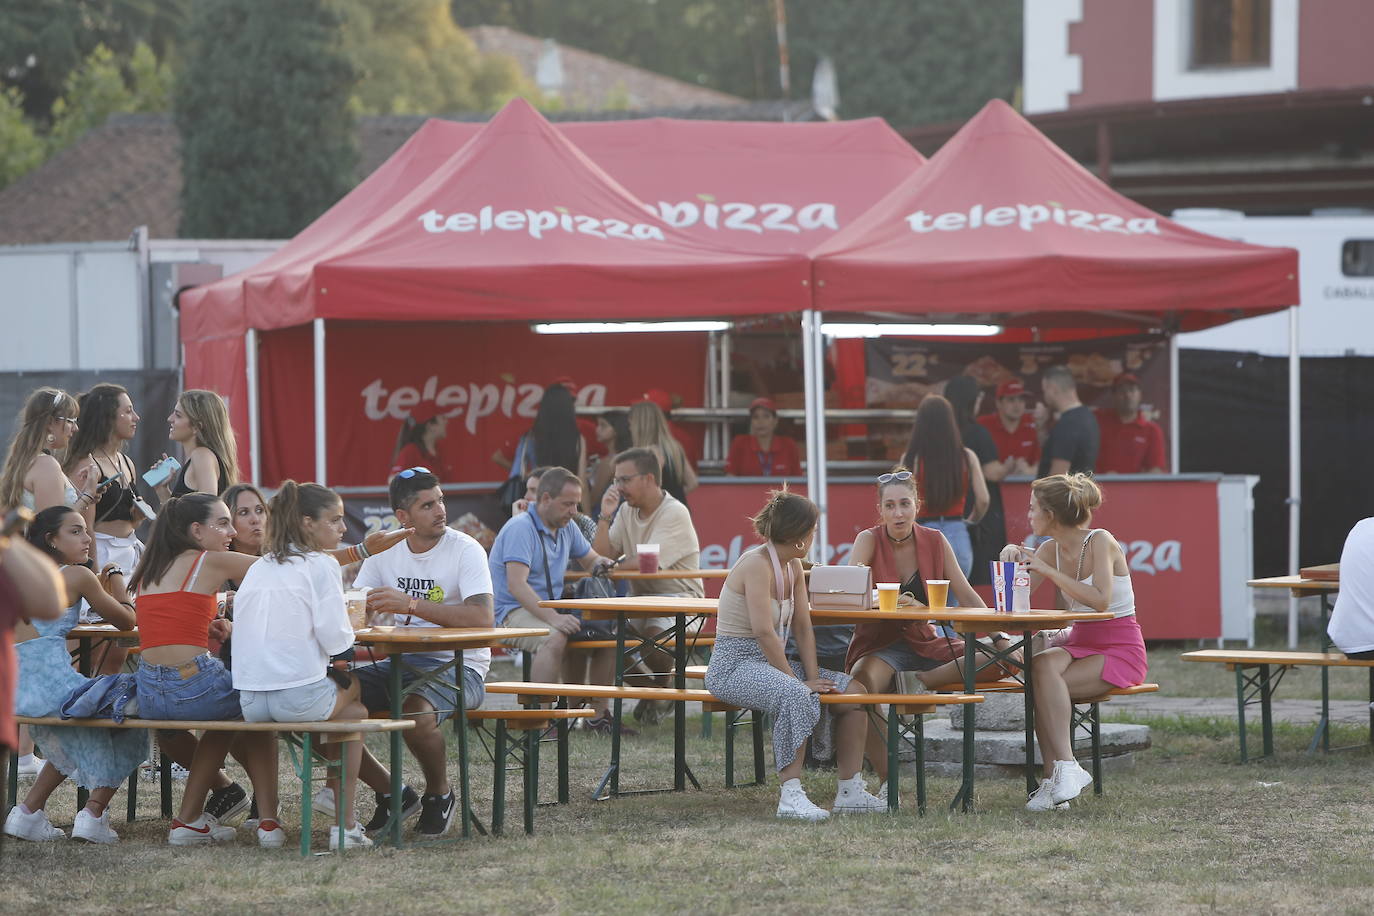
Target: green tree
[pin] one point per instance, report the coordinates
(21, 149)
(262, 104)
(43, 41)
(412, 59)
(98, 89)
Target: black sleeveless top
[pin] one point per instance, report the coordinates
(117, 500)
(181, 489)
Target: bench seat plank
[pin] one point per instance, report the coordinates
(1275, 657)
(227, 725)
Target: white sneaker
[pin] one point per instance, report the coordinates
(853, 797)
(94, 829)
(35, 827)
(29, 765)
(179, 771)
(354, 838)
(323, 802)
(1069, 780)
(203, 831)
(882, 792)
(270, 834)
(794, 803)
(1043, 797)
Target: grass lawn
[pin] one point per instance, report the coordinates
(1187, 829)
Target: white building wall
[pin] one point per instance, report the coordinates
(1050, 74)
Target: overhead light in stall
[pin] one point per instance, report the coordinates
(910, 330)
(628, 327)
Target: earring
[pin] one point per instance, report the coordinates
(800, 545)
(51, 438)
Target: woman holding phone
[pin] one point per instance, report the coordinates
(199, 423)
(1089, 568)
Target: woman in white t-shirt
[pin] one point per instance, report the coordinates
(289, 621)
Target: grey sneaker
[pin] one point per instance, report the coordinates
(227, 801)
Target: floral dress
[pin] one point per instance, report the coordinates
(92, 757)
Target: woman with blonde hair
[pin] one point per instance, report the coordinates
(765, 596)
(649, 429)
(199, 423)
(32, 475)
(1089, 568)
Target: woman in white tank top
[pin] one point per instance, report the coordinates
(1089, 569)
(763, 597)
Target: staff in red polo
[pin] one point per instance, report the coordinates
(762, 452)
(1129, 443)
(1013, 429)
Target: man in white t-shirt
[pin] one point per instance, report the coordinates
(437, 578)
(1352, 620)
(650, 515)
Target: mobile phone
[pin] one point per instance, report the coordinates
(145, 509)
(162, 471)
(117, 475)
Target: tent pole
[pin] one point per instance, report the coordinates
(815, 427)
(712, 347)
(1174, 420)
(321, 462)
(1294, 466)
(723, 387)
(250, 345)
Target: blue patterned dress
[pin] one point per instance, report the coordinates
(92, 757)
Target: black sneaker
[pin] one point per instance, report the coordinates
(225, 802)
(381, 818)
(436, 815)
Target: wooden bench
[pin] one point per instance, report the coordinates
(525, 755)
(296, 734)
(1087, 721)
(1257, 679)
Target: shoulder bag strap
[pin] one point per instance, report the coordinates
(1078, 576)
(548, 579)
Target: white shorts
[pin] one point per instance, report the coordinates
(307, 703)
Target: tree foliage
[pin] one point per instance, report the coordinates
(99, 88)
(911, 61)
(262, 104)
(412, 59)
(43, 41)
(21, 149)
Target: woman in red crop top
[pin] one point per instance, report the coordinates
(187, 559)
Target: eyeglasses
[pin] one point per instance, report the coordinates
(896, 475)
(625, 481)
(71, 420)
(411, 472)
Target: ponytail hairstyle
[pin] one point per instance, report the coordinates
(170, 537)
(210, 420)
(44, 525)
(786, 518)
(1069, 498)
(285, 537)
(30, 433)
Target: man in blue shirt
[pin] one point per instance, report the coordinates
(528, 562)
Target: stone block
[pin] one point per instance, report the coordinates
(944, 743)
(1110, 765)
(997, 712)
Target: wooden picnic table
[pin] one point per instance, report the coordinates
(397, 641)
(1322, 581)
(90, 634)
(646, 606)
(968, 622)
(634, 575)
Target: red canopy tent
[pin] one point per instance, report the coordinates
(1003, 223)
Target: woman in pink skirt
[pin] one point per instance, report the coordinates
(1089, 568)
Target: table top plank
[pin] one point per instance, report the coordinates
(428, 639)
(634, 575)
(1274, 657)
(986, 618)
(641, 606)
(1297, 584)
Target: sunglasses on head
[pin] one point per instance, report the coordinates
(411, 472)
(896, 475)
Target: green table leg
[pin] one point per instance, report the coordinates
(1097, 749)
(83, 664)
(132, 812)
(341, 796)
(730, 749)
(531, 777)
(307, 794)
(397, 783)
(919, 728)
(617, 706)
(12, 782)
(461, 714)
(1266, 711)
(1028, 705)
(964, 798)
(680, 709)
(893, 768)
(498, 780)
(1240, 712)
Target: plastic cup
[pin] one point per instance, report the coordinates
(648, 558)
(887, 595)
(356, 600)
(937, 593)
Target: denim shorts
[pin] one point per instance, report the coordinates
(375, 681)
(901, 657)
(208, 694)
(313, 702)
